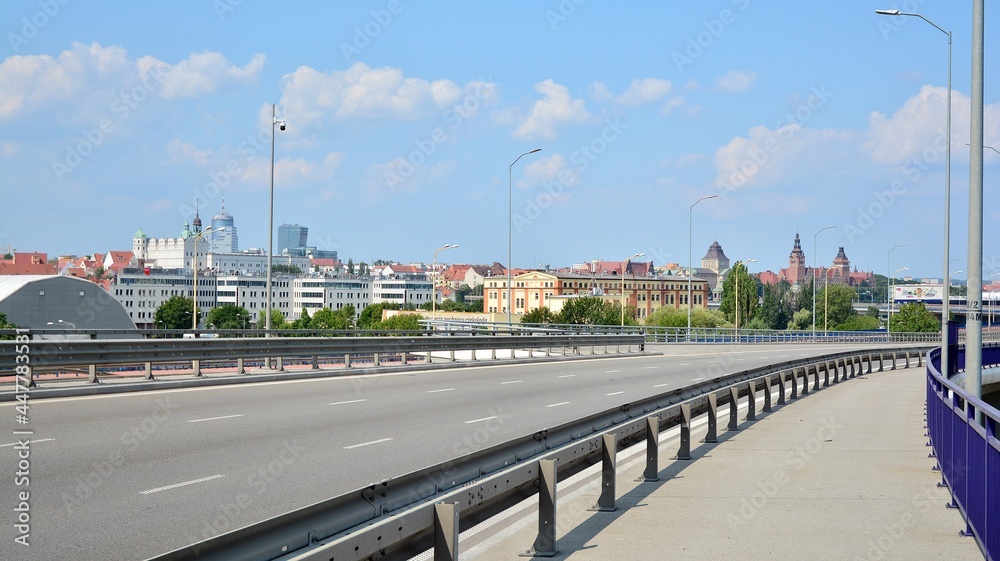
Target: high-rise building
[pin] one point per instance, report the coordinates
(224, 241)
(291, 236)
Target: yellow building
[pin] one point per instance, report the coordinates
(538, 289)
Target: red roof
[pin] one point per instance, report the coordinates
(120, 259)
(768, 277)
(325, 262)
(28, 264)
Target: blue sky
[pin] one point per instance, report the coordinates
(404, 117)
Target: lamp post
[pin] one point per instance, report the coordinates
(510, 225)
(899, 270)
(625, 266)
(888, 289)
(270, 230)
(814, 279)
(434, 283)
(194, 266)
(945, 303)
(61, 322)
(736, 300)
(690, 256)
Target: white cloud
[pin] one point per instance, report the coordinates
(552, 168)
(183, 152)
(292, 171)
(309, 96)
(736, 81)
(556, 108)
(599, 92)
(646, 90)
(204, 73)
(672, 104)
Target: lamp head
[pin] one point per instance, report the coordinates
(887, 12)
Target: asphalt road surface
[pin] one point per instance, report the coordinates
(129, 476)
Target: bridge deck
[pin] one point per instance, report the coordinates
(842, 473)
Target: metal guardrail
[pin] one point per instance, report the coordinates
(964, 433)
(100, 355)
(396, 518)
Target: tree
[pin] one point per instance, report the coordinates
(677, 317)
(304, 321)
(350, 266)
(772, 313)
(371, 316)
(801, 320)
(341, 319)
(363, 269)
(592, 310)
(401, 322)
(872, 312)
(175, 313)
(228, 316)
(540, 315)
(860, 323)
(913, 317)
(840, 300)
(277, 320)
(5, 324)
(747, 300)
(804, 300)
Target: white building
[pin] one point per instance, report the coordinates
(251, 263)
(401, 291)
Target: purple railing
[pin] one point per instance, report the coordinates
(967, 449)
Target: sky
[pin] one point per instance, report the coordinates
(404, 120)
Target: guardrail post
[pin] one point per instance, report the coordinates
(684, 451)
(493, 354)
(545, 541)
(752, 400)
(781, 388)
(920, 359)
(606, 502)
(446, 532)
(92, 374)
(795, 386)
(907, 359)
(375, 359)
(815, 371)
(404, 358)
(826, 373)
(767, 394)
(881, 363)
(148, 371)
(869, 369)
(894, 360)
(195, 367)
(347, 361)
(652, 472)
(734, 402)
(452, 355)
(280, 367)
(315, 362)
(805, 380)
(713, 418)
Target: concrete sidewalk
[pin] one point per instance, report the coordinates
(841, 473)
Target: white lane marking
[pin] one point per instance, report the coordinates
(651, 367)
(568, 376)
(785, 356)
(481, 420)
(558, 404)
(660, 385)
(439, 391)
(614, 393)
(763, 358)
(215, 418)
(696, 379)
(738, 359)
(176, 485)
(511, 382)
(379, 441)
(684, 364)
(346, 402)
(29, 442)
(611, 371)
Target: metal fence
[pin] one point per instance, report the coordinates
(964, 433)
(394, 519)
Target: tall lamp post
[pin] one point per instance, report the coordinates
(945, 303)
(736, 299)
(625, 266)
(888, 289)
(815, 270)
(194, 265)
(270, 229)
(690, 255)
(899, 270)
(434, 283)
(510, 225)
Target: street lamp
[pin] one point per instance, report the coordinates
(270, 229)
(888, 289)
(194, 266)
(510, 224)
(59, 321)
(434, 283)
(737, 298)
(814, 275)
(945, 303)
(690, 256)
(625, 266)
(889, 320)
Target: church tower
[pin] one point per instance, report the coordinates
(797, 262)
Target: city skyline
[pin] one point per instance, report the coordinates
(114, 122)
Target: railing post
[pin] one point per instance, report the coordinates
(894, 360)
(452, 355)
(752, 400)
(767, 394)
(92, 374)
(148, 371)
(446, 532)
(403, 358)
(869, 369)
(805, 380)
(713, 418)
(347, 360)
(734, 402)
(606, 502)
(781, 387)
(315, 362)
(195, 367)
(652, 472)
(281, 364)
(684, 451)
(795, 386)
(881, 362)
(545, 541)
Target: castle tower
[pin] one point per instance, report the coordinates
(797, 262)
(842, 264)
(139, 243)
